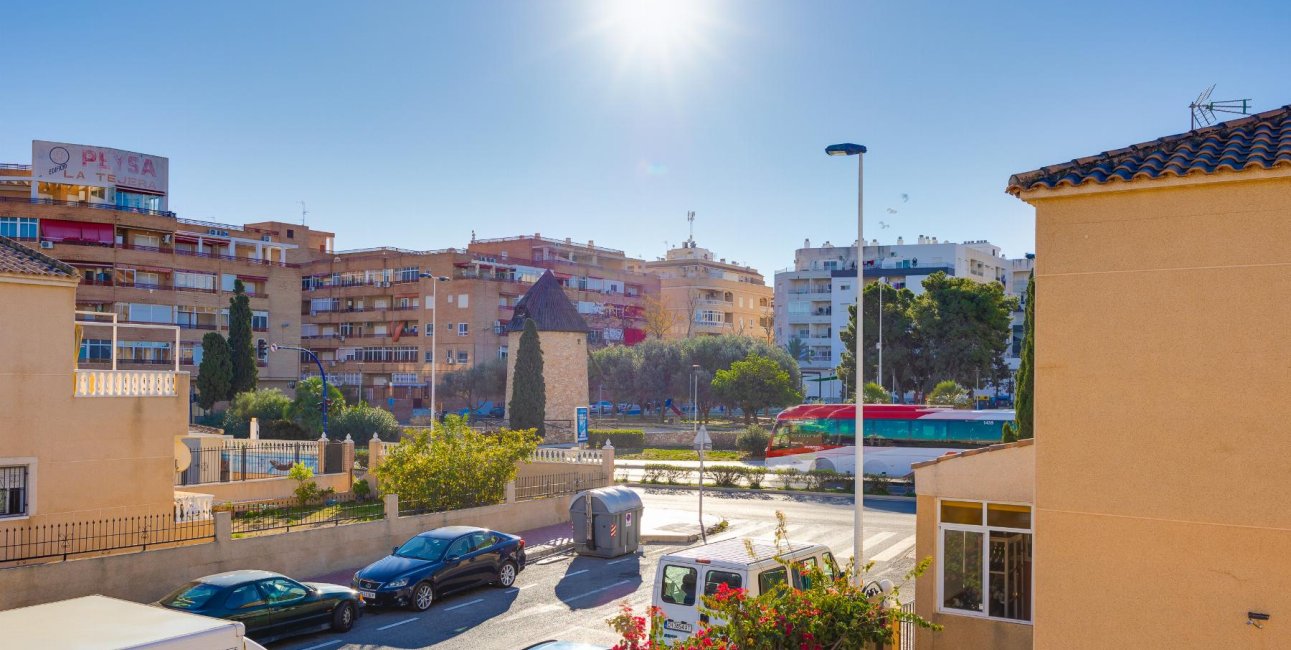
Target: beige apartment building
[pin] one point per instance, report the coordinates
(707, 296)
(86, 442)
(105, 212)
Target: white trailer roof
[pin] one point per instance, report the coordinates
(102, 623)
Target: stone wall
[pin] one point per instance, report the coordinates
(564, 369)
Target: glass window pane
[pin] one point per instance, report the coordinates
(961, 586)
(714, 578)
(1008, 516)
(679, 585)
(1010, 567)
(772, 579)
(961, 512)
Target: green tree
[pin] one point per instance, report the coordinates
(528, 407)
(1025, 390)
(215, 374)
(874, 394)
(963, 328)
(242, 348)
(662, 373)
(477, 384)
(754, 384)
(306, 410)
(900, 340)
(715, 353)
(948, 393)
(455, 467)
(796, 349)
(267, 405)
(612, 371)
(360, 421)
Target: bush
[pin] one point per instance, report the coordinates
(362, 491)
(724, 475)
(753, 440)
(755, 476)
(665, 473)
(360, 421)
(875, 394)
(788, 476)
(306, 490)
(949, 393)
(266, 405)
(284, 430)
(620, 438)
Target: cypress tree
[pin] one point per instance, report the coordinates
(528, 406)
(215, 374)
(1024, 404)
(245, 374)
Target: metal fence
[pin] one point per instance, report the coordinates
(59, 541)
(286, 514)
(257, 459)
(550, 485)
(907, 629)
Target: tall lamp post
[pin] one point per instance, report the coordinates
(858, 526)
(322, 372)
(434, 330)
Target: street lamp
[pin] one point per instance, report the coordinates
(322, 373)
(434, 329)
(701, 440)
(849, 149)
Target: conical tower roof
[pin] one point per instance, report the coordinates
(546, 303)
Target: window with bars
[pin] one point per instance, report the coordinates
(13, 491)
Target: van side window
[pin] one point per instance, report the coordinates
(805, 567)
(714, 578)
(831, 567)
(772, 579)
(679, 585)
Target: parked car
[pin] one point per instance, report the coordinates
(438, 562)
(564, 645)
(270, 605)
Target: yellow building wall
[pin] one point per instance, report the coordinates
(1005, 474)
(96, 457)
(1162, 369)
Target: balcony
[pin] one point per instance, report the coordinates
(125, 383)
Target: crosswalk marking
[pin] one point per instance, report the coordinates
(873, 540)
(895, 550)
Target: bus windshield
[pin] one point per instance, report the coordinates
(813, 432)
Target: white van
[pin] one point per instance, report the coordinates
(102, 623)
(684, 576)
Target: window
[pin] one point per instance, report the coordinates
(804, 570)
(714, 578)
(18, 228)
(260, 320)
(191, 280)
(407, 274)
(282, 590)
(985, 559)
(772, 579)
(244, 596)
(430, 356)
(461, 546)
(679, 585)
(96, 350)
(463, 300)
(227, 280)
(462, 329)
(462, 356)
(13, 491)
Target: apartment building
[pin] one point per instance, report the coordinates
(106, 213)
(704, 295)
(812, 297)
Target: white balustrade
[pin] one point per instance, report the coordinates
(578, 456)
(125, 383)
(192, 506)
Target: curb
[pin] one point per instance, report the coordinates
(713, 488)
(542, 552)
(669, 538)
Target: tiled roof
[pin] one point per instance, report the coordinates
(16, 258)
(1261, 141)
(546, 303)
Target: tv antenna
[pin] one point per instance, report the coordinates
(1204, 108)
(303, 212)
(690, 216)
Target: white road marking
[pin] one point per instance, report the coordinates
(473, 602)
(386, 627)
(597, 591)
(570, 575)
(532, 611)
(322, 645)
(525, 587)
(626, 559)
(875, 539)
(895, 550)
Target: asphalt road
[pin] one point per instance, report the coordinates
(570, 597)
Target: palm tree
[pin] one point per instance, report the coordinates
(796, 349)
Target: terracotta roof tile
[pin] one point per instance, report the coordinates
(1261, 141)
(16, 258)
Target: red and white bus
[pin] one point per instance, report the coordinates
(823, 436)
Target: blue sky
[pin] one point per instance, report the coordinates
(413, 123)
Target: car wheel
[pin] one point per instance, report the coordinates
(423, 596)
(343, 617)
(506, 574)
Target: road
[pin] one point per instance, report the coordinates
(570, 597)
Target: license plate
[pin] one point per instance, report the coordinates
(368, 594)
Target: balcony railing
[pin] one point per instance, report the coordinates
(85, 204)
(125, 383)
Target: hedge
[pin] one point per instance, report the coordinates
(816, 480)
(620, 438)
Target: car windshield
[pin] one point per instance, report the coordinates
(193, 595)
(423, 548)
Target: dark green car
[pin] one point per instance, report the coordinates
(270, 605)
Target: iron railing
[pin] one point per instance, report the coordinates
(252, 460)
(285, 514)
(63, 540)
(908, 629)
(529, 488)
(85, 204)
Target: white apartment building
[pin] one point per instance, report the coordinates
(812, 298)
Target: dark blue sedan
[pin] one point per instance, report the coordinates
(438, 562)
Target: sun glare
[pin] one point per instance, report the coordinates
(656, 29)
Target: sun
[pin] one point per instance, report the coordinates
(661, 30)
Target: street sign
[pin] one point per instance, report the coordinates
(702, 441)
(581, 418)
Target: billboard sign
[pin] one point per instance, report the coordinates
(78, 164)
(581, 418)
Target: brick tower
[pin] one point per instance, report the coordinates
(562, 335)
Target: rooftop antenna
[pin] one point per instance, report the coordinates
(690, 216)
(1204, 108)
(303, 212)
